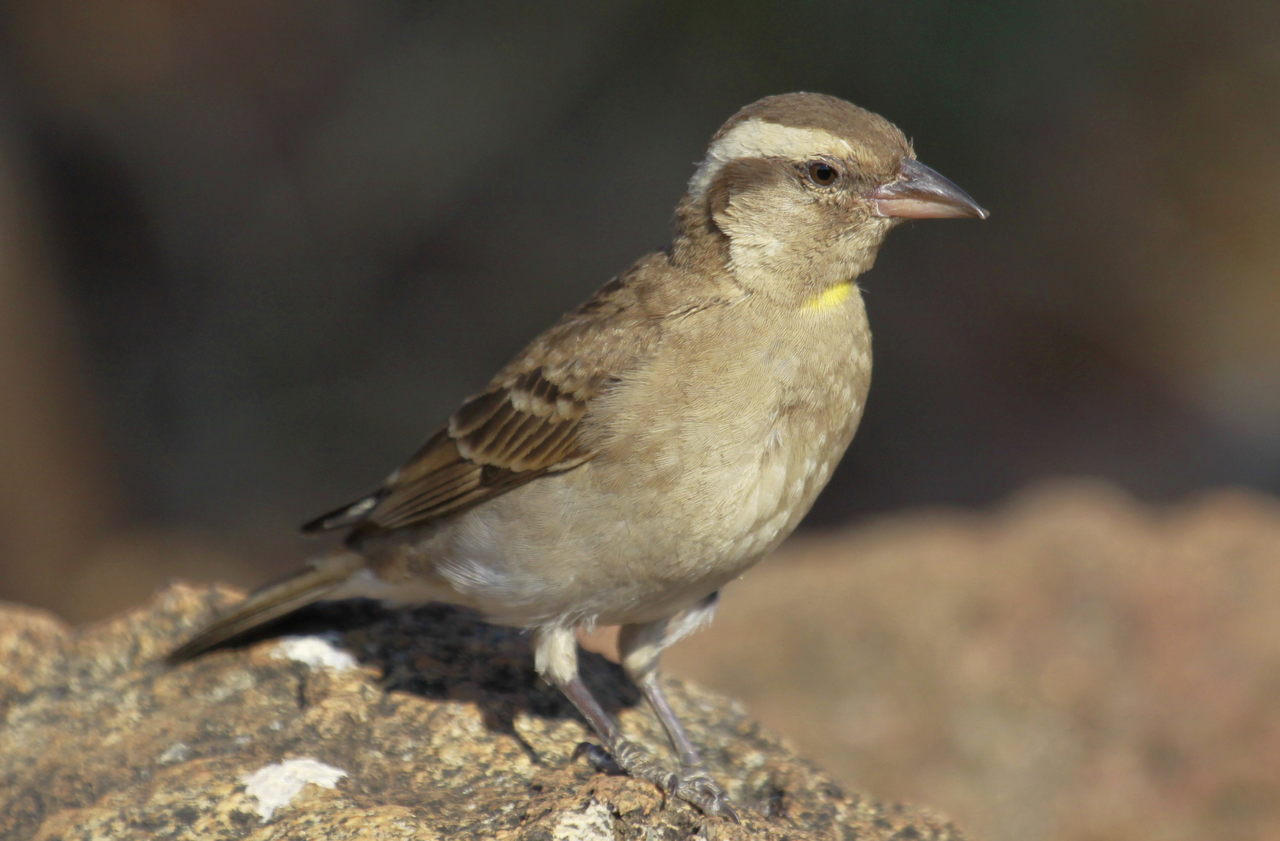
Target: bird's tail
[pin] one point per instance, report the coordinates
(318, 580)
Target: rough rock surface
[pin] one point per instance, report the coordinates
(349, 722)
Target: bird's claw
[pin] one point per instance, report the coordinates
(693, 785)
(598, 758)
(696, 786)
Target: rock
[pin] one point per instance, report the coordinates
(1074, 664)
(350, 722)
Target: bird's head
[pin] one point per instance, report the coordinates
(804, 187)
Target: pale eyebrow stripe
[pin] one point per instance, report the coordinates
(759, 139)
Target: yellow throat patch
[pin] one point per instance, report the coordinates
(830, 298)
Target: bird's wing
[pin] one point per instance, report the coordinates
(526, 424)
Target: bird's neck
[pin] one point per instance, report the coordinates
(833, 296)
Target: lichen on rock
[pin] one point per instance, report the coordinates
(418, 724)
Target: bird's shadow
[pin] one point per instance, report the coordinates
(445, 652)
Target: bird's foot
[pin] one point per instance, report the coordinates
(693, 784)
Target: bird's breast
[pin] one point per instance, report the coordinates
(820, 399)
(748, 416)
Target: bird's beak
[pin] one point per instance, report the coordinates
(920, 193)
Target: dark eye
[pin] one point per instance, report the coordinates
(822, 173)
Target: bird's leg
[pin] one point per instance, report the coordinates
(690, 758)
(556, 659)
(640, 646)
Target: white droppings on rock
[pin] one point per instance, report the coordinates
(317, 652)
(276, 785)
(176, 752)
(592, 823)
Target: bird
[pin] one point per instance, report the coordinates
(659, 439)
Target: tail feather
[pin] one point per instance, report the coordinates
(271, 602)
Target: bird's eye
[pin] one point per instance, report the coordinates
(822, 173)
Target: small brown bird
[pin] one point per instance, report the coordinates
(662, 437)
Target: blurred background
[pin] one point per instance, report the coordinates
(251, 253)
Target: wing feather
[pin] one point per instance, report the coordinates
(528, 423)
